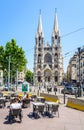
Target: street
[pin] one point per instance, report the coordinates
(69, 119)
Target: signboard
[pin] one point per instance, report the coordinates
(24, 87)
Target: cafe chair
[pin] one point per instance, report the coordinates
(15, 113)
(25, 103)
(33, 98)
(2, 103)
(1, 94)
(43, 100)
(40, 110)
(55, 108)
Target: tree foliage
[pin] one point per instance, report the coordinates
(17, 57)
(29, 76)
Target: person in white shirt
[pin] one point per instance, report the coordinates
(15, 105)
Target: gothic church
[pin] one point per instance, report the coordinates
(48, 60)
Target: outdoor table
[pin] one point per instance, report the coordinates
(40, 99)
(38, 103)
(49, 107)
(36, 106)
(49, 104)
(2, 98)
(7, 96)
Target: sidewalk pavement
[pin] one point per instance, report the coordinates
(69, 119)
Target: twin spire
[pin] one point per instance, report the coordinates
(40, 29)
(55, 28)
(40, 24)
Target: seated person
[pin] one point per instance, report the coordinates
(19, 99)
(25, 96)
(25, 100)
(15, 106)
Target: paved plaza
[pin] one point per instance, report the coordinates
(69, 119)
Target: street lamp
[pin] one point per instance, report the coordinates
(79, 87)
(16, 79)
(8, 72)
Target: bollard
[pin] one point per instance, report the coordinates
(64, 97)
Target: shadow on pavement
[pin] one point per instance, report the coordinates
(10, 122)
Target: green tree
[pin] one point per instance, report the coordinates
(1, 56)
(2, 62)
(17, 58)
(29, 76)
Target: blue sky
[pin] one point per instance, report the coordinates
(19, 20)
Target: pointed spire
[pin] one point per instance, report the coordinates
(40, 30)
(55, 29)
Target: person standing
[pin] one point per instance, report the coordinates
(55, 89)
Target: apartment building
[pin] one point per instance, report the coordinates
(75, 69)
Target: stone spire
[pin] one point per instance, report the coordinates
(40, 29)
(55, 28)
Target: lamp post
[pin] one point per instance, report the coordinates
(8, 72)
(16, 79)
(79, 87)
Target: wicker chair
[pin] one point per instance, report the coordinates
(26, 103)
(2, 103)
(14, 113)
(38, 111)
(55, 108)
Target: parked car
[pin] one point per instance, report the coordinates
(83, 88)
(5, 88)
(70, 90)
(67, 85)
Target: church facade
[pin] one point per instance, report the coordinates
(48, 59)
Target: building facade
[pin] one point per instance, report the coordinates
(75, 69)
(71, 69)
(48, 59)
(20, 76)
(80, 66)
